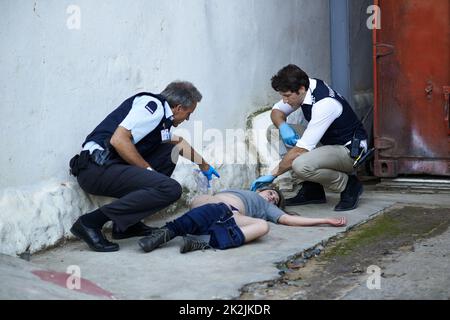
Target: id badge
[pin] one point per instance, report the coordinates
(165, 135)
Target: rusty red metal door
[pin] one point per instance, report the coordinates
(411, 88)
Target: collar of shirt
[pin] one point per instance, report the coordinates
(168, 111)
(312, 86)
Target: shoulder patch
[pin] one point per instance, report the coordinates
(151, 107)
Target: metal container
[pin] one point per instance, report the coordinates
(411, 55)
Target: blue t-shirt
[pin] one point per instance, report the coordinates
(256, 206)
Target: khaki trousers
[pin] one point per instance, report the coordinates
(327, 165)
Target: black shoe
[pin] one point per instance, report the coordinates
(350, 195)
(310, 192)
(190, 244)
(137, 230)
(156, 239)
(93, 237)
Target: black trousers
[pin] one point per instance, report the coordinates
(140, 192)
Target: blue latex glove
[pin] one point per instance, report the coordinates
(288, 134)
(261, 181)
(208, 174)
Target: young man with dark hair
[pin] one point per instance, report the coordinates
(333, 123)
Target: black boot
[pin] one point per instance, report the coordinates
(137, 230)
(310, 192)
(156, 239)
(350, 195)
(190, 244)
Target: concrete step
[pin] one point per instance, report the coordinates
(420, 184)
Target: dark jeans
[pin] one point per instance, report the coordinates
(215, 219)
(140, 192)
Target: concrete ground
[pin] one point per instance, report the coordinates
(401, 254)
(167, 274)
(418, 275)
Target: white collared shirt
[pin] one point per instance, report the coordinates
(323, 113)
(139, 120)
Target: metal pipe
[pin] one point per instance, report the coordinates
(340, 47)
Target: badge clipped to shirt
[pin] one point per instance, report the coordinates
(165, 135)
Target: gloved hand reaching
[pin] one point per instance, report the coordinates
(262, 181)
(209, 173)
(288, 134)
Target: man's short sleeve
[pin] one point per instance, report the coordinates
(273, 213)
(144, 116)
(283, 107)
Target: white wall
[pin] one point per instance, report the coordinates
(57, 84)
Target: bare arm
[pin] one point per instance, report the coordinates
(277, 117)
(189, 153)
(297, 221)
(121, 140)
(286, 163)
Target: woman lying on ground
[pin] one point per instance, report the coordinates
(231, 217)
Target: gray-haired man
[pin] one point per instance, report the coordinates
(131, 155)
